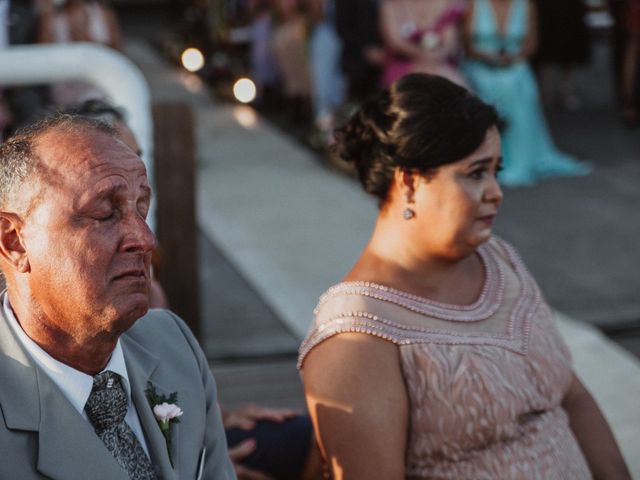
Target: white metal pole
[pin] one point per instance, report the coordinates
(113, 73)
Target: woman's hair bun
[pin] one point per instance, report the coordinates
(364, 140)
(420, 123)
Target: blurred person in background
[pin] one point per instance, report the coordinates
(501, 37)
(289, 42)
(563, 45)
(362, 50)
(327, 81)
(631, 62)
(5, 116)
(78, 21)
(421, 36)
(624, 64)
(18, 26)
(264, 66)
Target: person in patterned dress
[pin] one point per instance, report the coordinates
(437, 357)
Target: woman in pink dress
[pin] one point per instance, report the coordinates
(437, 357)
(421, 36)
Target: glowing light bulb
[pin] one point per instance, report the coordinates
(244, 90)
(192, 59)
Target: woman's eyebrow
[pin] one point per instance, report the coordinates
(481, 161)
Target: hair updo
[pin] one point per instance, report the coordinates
(419, 123)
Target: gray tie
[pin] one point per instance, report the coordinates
(106, 409)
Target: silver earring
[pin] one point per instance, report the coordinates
(408, 213)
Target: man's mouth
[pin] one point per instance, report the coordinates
(131, 274)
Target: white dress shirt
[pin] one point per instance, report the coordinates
(74, 384)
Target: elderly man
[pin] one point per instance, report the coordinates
(82, 363)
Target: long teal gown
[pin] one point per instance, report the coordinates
(527, 149)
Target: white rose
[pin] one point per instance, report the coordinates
(166, 411)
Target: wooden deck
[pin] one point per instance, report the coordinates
(267, 382)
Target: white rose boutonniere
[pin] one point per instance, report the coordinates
(166, 411)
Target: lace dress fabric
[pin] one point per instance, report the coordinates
(485, 381)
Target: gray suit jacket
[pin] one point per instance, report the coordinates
(43, 436)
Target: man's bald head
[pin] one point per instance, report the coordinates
(19, 160)
(74, 243)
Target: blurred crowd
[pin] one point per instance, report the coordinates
(317, 59)
(323, 55)
(51, 21)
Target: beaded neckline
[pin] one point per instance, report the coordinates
(357, 320)
(485, 305)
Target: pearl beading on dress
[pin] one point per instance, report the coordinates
(486, 305)
(518, 327)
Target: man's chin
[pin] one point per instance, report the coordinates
(127, 313)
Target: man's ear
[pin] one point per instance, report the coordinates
(12, 248)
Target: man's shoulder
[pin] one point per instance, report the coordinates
(161, 328)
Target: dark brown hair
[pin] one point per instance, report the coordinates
(420, 123)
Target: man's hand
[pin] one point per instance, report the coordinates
(237, 454)
(246, 417)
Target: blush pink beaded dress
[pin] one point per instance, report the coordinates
(485, 381)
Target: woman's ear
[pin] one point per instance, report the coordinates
(405, 181)
(12, 248)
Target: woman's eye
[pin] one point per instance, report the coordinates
(477, 174)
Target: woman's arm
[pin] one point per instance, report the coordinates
(469, 47)
(594, 435)
(315, 10)
(530, 44)
(357, 398)
(45, 24)
(115, 35)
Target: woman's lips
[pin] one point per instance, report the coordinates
(487, 219)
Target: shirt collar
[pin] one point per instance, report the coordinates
(74, 384)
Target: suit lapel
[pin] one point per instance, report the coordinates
(19, 386)
(141, 365)
(68, 448)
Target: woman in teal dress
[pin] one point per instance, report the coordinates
(500, 37)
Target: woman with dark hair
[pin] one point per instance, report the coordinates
(437, 356)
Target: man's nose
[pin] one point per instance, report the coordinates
(138, 237)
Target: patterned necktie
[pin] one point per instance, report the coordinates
(106, 409)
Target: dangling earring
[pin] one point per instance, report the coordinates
(408, 213)
(407, 179)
